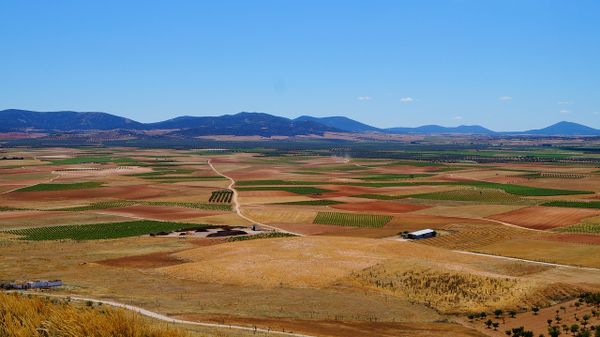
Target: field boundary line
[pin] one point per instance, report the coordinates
(165, 318)
(237, 206)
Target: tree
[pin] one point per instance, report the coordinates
(488, 323)
(495, 325)
(512, 313)
(498, 313)
(535, 310)
(554, 331)
(597, 333)
(574, 328)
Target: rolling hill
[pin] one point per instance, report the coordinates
(245, 124)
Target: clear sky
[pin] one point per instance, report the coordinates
(507, 65)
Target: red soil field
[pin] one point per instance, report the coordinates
(591, 239)
(147, 261)
(380, 206)
(539, 217)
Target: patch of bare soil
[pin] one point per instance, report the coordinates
(146, 261)
(336, 328)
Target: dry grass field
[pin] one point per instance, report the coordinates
(348, 274)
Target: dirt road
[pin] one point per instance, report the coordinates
(236, 203)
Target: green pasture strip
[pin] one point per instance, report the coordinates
(127, 203)
(94, 159)
(101, 230)
(573, 204)
(292, 189)
(522, 190)
(591, 228)
(185, 178)
(352, 219)
(276, 182)
(271, 235)
(321, 202)
(61, 187)
(509, 188)
(395, 176)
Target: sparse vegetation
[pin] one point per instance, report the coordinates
(270, 235)
(291, 189)
(317, 202)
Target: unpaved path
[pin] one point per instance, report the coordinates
(236, 203)
(168, 319)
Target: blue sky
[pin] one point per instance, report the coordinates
(507, 65)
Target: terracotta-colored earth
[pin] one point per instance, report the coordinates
(592, 239)
(147, 261)
(380, 206)
(539, 217)
(338, 328)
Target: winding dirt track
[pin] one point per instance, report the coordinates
(236, 203)
(168, 319)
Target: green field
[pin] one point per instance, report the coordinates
(61, 187)
(474, 195)
(127, 203)
(275, 182)
(297, 190)
(573, 204)
(101, 230)
(320, 202)
(522, 190)
(352, 219)
(394, 176)
(580, 228)
(161, 172)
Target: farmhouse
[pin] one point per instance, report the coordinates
(421, 234)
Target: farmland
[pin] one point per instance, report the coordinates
(322, 252)
(351, 219)
(101, 231)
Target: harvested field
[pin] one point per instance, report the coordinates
(538, 217)
(380, 206)
(30, 219)
(472, 236)
(280, 215)
(547, 251)
(345, 328)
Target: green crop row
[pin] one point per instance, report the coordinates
(127, 203)
(270, 235)
(101, 230)
(318, 202)
(291, 189)
(573, 204)
(352, 219)
(581, 228)
(61, 187)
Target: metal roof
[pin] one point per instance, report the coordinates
(422, 232)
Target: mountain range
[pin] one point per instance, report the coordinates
(244, 124)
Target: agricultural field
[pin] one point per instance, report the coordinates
(322, 251)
